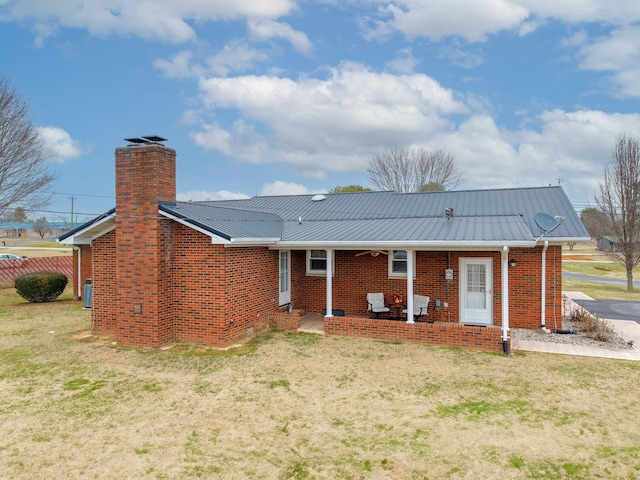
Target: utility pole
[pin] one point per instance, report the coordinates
(72, 197)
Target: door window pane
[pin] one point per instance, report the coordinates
(476, 286)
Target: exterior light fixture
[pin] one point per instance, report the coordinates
(513, 262)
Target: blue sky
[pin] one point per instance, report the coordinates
(295, 96)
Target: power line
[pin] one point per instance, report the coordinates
(82, 195)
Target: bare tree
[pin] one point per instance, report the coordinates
(349, 189)
(23, 174)
(42, 227)
(618, 198)
(414, 169)
(595, 221)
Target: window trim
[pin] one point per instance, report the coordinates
(322, 272)
(400, 274)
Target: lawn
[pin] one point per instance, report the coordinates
(301, 406)
(36, 249)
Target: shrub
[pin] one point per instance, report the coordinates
(40, 286)
(592, 326)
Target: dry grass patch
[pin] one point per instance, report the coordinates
(301, 406)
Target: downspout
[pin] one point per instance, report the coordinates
(329, 312)
(79, 282)
(505, 299)
(410, 268)
(543, 322)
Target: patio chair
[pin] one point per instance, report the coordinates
(420, 306)
(375, 304)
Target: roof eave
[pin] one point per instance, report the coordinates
(258, 241)
(84, 236)
(412, 244)
(217, 238)
(564, 240)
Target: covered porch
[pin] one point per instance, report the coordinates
(443, 334)
(468, 293)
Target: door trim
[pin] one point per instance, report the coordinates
(284, 277)
(476, 316)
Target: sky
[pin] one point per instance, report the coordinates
(273, 97)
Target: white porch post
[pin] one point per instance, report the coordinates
(329, 312)
(410, 268)
(505, 293)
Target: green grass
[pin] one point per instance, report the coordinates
(600, 291)
(598, 269)
(302, 406)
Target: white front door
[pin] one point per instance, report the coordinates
(476, 284)
(285, 277)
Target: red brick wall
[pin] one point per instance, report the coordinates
(220, 295)
(144, 175)
(525, 285)
(487, 339)
(104, 284)
(85, 269)
(355, 276)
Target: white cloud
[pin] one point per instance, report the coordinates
(164, 20)
(269, 29)
(235, 56)
(618, 12)
(179, 66)
(60, 144)
(618, 53)
(284, 188)
(201, 196)
(572, 146)
(437, 19)
(310, 123)
(404, 62)
(459, 56)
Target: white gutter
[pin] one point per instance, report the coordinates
(258, 241)
(329, 312)
(543, 321)
(406, 244)
(505, 299)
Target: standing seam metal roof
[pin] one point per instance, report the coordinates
(479, 215)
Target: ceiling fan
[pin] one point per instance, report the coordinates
(373, 253)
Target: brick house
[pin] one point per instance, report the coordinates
(217, 272)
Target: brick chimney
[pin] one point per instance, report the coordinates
(145, 174)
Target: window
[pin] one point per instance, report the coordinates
(317, 262)
(398, 263)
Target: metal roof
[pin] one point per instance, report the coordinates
(500, 215)
(480, 217)
(224, 222)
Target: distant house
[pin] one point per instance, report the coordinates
(608, 244)
(217, 272)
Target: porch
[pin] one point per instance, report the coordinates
(444, 334)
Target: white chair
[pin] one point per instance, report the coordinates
(375, 304)
(420, 306)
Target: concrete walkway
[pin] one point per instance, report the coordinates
(628, 329)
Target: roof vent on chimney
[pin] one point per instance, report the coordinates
(149, 139)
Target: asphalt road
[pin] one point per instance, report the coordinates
(612, 309)
(591, 278)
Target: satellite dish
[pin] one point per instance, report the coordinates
(546, 222)
(318, 198)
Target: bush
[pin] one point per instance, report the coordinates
(592, 326)
(40, 286)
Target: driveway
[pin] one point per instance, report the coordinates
(613, 309)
